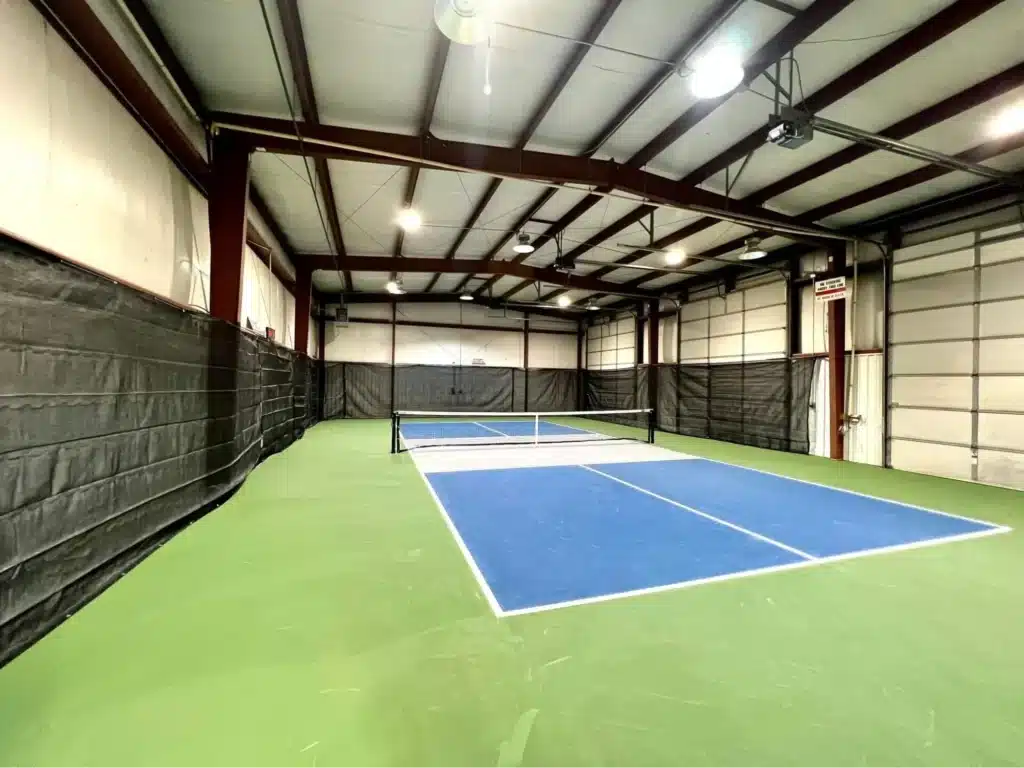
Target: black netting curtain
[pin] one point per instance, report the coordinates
(373, 390)
(764, 404)
(122, 417)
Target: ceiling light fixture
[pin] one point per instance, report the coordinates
(592, 307)
(675, 257)
(467, 22)
(1008, 122)
(394, 287)
(409, 219)
(523, 244)
(716, 73)
(753, 250)
(564, 300)
(466, 296)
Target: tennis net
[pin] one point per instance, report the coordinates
(435, 429)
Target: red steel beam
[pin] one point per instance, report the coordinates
(303, 301)
(465, 266)
(928, 32)
(944, 23)
(229, 187)
(553, 231)
(440, 59)
(597, 25)
(610, 231)
(802, 26)
(79, 27)
(295, 42)
(976, 154)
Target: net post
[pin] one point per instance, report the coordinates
(650, 426)
(536, 429)
(394, 432)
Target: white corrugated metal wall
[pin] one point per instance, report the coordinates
(956, 383)
(746, 324)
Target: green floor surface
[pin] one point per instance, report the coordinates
(324, 615)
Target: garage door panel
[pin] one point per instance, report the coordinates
(924, 424)
(694, 310)
(1001, 430)
(1001, 468)
(694, 351)
(726, 325)
(933, 324)
(932, 391)
(937, 291)
(955, 243)
(1002, 318)
(765, 295)
(768, 318)
(993, 253)
(940, 358)
(931, 459)
(1002, 281)
(726, 348)
(933, 265)
(1001, 393)
(765, 345)
(696, 329)
(1001, 356)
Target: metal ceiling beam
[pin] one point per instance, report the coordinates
(552, 232)
(158, 42)
(603, 176)
(932, 30)
(79, 27)
(718, 16)
(295, 42)
(537, 204)
(466, 266)
(993, 87)
(597, 25)
(802, 26)
(610, 231)
(442, 45)
(914, 41)
(976, 154)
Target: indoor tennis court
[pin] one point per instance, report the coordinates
(511, 382)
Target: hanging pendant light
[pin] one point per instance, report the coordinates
(467, 22)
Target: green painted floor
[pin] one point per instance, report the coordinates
(324, 615)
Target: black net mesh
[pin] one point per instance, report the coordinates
(123, 417)
(757, 403)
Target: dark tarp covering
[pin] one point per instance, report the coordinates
(756, 403)
(122, 417)
(551, 389)
(363, 390)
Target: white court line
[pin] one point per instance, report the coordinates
(497, 431)
(800, 564)
(492, 601)
(712, 518)
(854, 493)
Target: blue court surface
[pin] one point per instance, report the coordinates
(545, 537)
(489, 428)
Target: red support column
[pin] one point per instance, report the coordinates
(228, 192)
(653, 353)
(837, 356)
(303, 296)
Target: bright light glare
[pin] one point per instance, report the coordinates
(675, 257)
(487, 89)
(466, 297)
(395, 287)
(716, 73)
(1009, 122)
(564, 300)
(409, 220)
(753, 254)
(523, 248)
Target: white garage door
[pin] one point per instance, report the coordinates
(956, 387)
